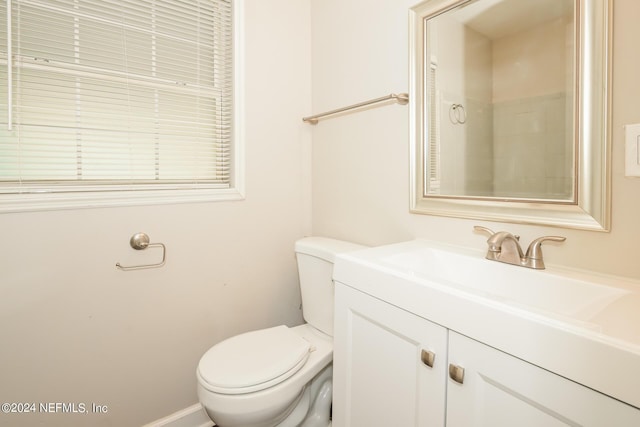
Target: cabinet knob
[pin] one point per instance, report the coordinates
(456, 373)
(428, 357)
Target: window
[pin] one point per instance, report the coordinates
(103, 96)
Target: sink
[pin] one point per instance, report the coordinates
(564, 293)
(578, 324)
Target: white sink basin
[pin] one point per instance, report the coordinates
(573, 297)
(604, 304)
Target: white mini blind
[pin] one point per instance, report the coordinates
(433, 130)
(105, 93)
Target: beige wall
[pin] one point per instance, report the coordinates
(75, 329)
(533, 62)
(360, 161)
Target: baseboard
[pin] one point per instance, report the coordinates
(193, 416)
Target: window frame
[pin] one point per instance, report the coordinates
(68, 195)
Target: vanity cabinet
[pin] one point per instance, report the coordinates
(382, 377)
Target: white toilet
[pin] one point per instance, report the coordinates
(279, 376)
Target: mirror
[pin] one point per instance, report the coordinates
(510, 110)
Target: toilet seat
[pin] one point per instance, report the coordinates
(253, 361)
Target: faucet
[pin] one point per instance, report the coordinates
(505, 247)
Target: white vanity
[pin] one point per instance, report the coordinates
(433, 335)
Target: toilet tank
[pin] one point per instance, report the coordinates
(315, 257)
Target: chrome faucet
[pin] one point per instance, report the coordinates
(505, 247)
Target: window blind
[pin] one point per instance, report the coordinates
(104, 93)
(433, 130)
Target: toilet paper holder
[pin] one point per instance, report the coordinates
(140, 241)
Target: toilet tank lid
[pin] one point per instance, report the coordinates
(324, 247)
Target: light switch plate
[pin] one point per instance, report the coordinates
(632, 150)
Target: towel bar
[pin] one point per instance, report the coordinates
(402, 99)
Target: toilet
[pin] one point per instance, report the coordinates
(279, 376)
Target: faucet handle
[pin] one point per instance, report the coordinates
(485, 229)
(490, 231)
(534, 251)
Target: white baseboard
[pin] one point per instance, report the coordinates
(193, 416)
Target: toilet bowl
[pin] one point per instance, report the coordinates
(270, 400)
(279, 376)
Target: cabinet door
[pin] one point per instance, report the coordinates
(379, 376)
(500, 390)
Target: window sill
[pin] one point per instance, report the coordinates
(30, 202)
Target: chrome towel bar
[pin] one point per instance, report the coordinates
(401, 98)
(140, 241)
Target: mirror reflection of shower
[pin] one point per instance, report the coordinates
(500, 90)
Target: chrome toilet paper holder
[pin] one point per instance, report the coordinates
(140, 241)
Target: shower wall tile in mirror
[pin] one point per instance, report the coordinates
(533, 147)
